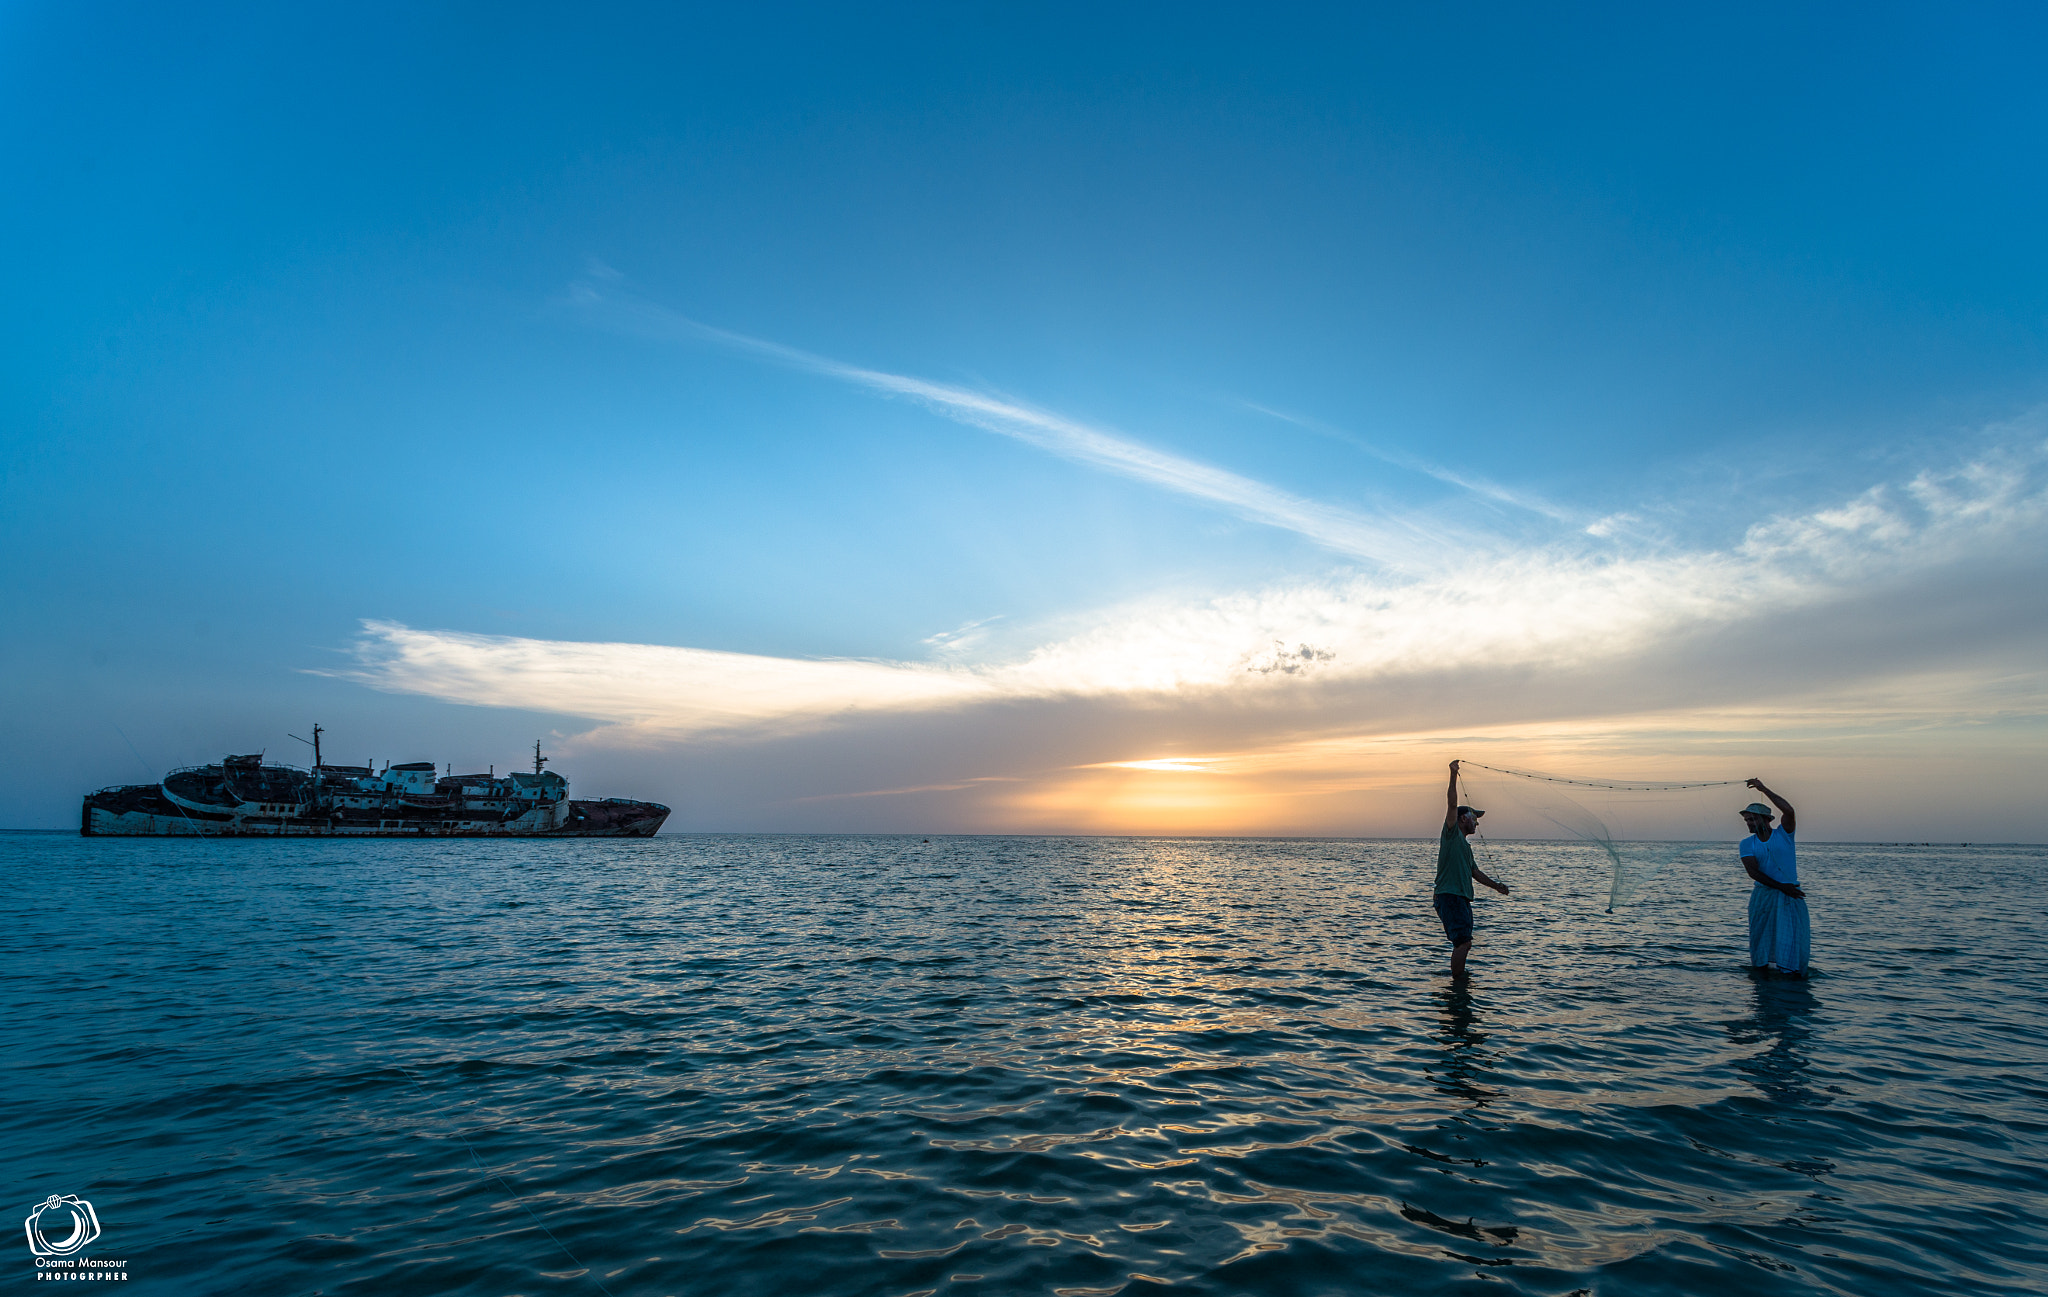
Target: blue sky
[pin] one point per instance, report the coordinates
(992, 389)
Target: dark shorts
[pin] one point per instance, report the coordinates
(1456, 912)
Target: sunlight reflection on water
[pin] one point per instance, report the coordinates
(882, 1066)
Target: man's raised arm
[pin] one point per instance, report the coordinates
(1789, 820)
(1451, 800)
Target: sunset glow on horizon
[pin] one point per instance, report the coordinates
(865, 424)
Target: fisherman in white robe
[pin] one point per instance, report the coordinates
(1780, 939)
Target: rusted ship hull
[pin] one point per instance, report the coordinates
(107, 816)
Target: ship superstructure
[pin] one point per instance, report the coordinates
(245, 797)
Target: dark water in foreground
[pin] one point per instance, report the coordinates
(1000, 1065)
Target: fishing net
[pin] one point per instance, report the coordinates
(1639, 826)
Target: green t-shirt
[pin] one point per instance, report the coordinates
(1454, 863)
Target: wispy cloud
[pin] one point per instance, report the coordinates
(1162, 765)
(1391, 543)
(962, 637)
(914, 790)
(664, 689)
(1470, 482)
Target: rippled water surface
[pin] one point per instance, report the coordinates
(978, 1066)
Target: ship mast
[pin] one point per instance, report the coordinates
(315, 741)
(538, 759)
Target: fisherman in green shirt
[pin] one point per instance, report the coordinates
(1455, 871)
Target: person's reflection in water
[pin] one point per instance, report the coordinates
(1465, 1052)
(1780, 1018)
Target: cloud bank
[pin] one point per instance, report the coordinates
(1856, 580)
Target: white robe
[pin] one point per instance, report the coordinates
(1779, 935)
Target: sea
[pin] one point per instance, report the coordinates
(860, 1066)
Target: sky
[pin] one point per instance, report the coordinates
(1105, 419)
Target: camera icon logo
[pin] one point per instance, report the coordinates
(85, 1225)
